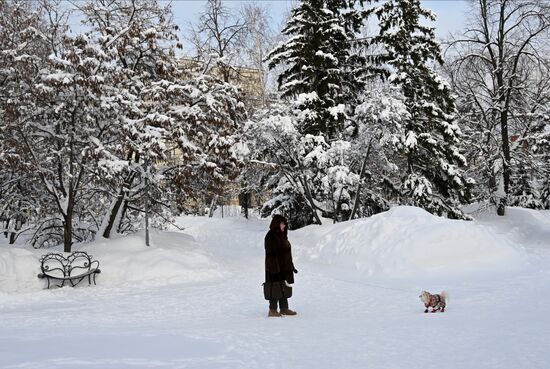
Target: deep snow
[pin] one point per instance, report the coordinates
(193, 299)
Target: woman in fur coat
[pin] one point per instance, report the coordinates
(278, 262)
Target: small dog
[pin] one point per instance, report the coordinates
(436, 302)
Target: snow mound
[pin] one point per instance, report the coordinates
(172, 258)
(406, 241)
(528, 227)
(18, 269)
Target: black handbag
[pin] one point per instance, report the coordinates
(277, 290)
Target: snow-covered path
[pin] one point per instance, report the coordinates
(343, 322)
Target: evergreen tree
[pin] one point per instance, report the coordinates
(429, 138)
(539, 145)
(322, 73)
(523, 189)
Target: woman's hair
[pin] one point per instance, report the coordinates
(276, 221)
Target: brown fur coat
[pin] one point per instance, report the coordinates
(278, 253)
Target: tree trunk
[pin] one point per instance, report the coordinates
(6, 232)
(246, 203)
(122, 215)
(18, 226)
(201, 204)
(147, 202)
(505, 161)
(309, 198)
(503, 108)
(361, 174)
(68, 229)
(113, 214)
(212, 206)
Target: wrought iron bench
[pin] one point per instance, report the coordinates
(73, 268)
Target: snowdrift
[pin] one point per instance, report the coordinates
(404, 242)
(171, 258)
(407, 241)
(528, 227)
(18, 269)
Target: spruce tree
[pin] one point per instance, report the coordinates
(429, 139)
(321, 71)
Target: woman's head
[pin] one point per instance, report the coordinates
(279, 224)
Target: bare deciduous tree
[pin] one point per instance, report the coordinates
(215, 37)
(494, 63)
(255, 43)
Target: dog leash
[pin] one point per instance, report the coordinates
(377, 286)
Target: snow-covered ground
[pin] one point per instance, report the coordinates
(194, 299)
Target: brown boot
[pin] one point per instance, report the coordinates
(273, 313)
(288, 312)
